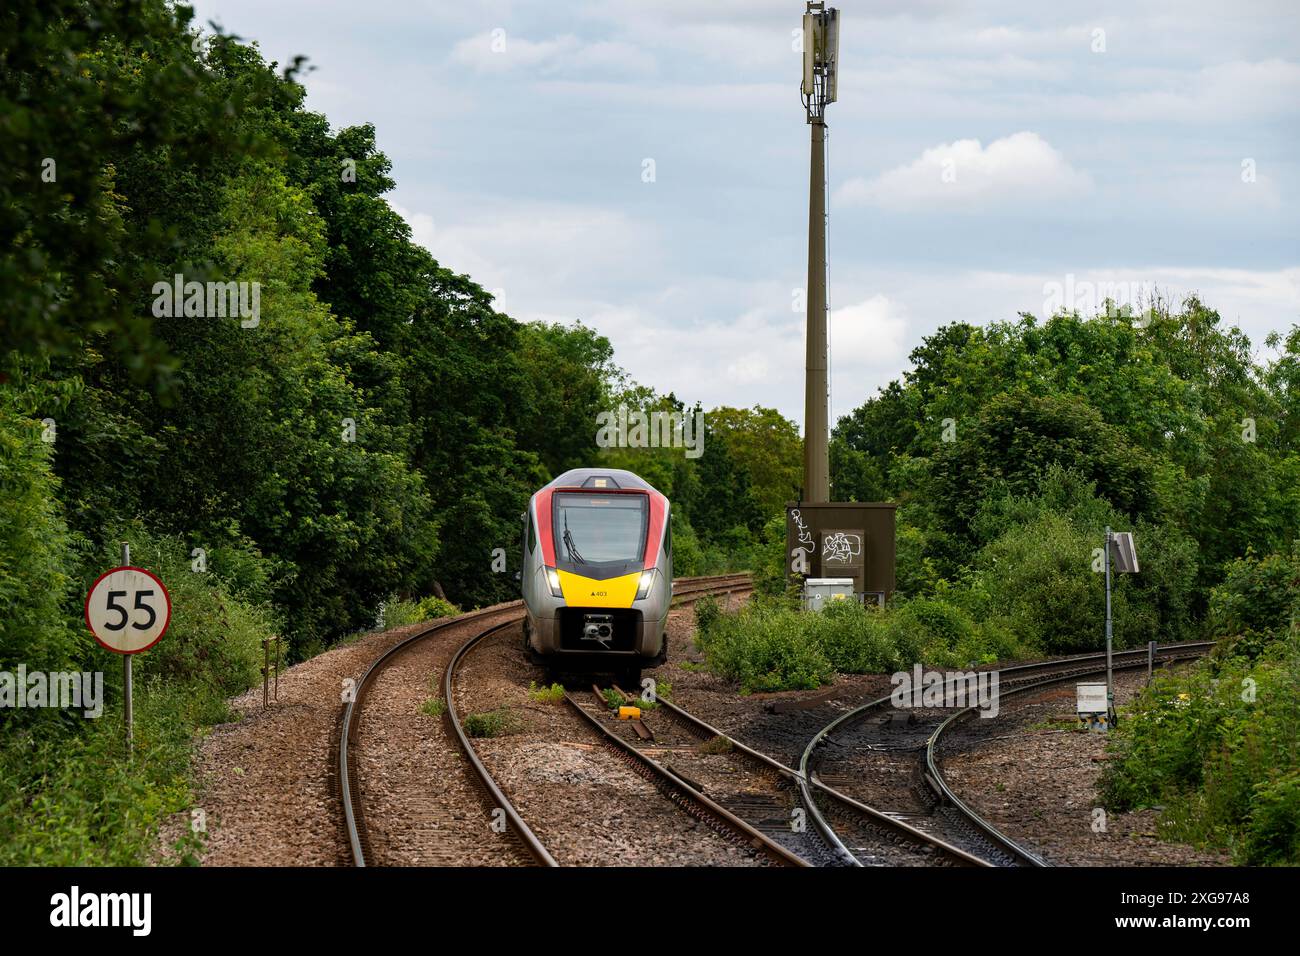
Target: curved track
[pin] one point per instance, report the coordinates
(768, 818)
(525, 842)
(851, 742)
(782, 809)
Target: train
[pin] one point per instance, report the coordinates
(597, 573)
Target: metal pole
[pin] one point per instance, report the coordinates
(816, 460)
(1110, 674)
(128, 689)
(1151, 660)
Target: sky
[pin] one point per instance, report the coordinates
(641, 166)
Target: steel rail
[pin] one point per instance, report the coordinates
(350, 725)
(688, 797)
(516, 822)
(936, 779)
(913, 834)
(808, 781)
(349, 785)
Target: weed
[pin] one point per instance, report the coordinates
(492, 723)
(546, 695)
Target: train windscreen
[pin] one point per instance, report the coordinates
(600, 529)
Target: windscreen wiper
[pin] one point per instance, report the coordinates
(574, 554)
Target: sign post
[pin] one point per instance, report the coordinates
(128, 687)
(1126, 562)
(128, 610)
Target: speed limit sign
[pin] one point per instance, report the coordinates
(128, 610)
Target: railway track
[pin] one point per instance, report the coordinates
(893, 761)
(521, 842)
(772, 800)
(681, 790)
(817, 814)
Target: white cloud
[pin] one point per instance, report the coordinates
(422, 228)
(498, 50)
(755, 354)
(1017, 168)
(869, 335)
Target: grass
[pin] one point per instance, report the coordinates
(1058, 723)
(546, 695)
(492, 723)
(68, 796)
(714, 746)
(434, 707)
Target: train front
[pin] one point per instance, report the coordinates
(598, 572)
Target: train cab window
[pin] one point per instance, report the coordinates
(600, 529)
(532, 535)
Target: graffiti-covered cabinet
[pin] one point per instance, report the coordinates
(849, 539)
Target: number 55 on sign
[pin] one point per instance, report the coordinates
(128, 610)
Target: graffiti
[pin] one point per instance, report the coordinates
(841, 548)
(799, 555)
(804, 535)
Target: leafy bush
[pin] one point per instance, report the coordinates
(1257, 600)
(36, 562)
(1273, 834)
(434, 607)
(856, 640)
(1217, 745)
(688, 556)
(769, 645)
(765, 649)
(397, 612)
(1038, 579)
(1036, 571)
(769, 563)
(707, 612)
(68, 797)
(943, 632)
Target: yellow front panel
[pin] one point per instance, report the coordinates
(584, 592)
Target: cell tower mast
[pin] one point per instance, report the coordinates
(821, 40)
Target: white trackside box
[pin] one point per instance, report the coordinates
(1091, 705)
(817, 592)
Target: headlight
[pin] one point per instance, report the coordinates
(643, 587)
(553, 579)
